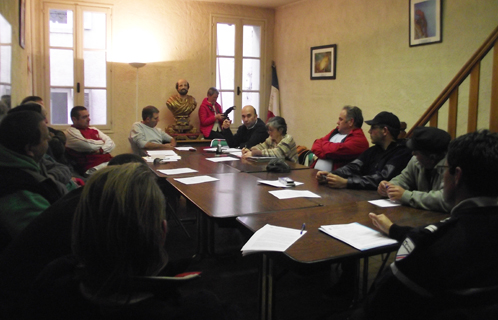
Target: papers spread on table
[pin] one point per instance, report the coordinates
(357, 235)
(185, 148)
(289, 194)
(272, 238)
(195, 180)
(384, 203)
(176, 171)
(278, 184)
(231, 150)
(236, 154)
(163, 159)
(220, 159)
(161, 153)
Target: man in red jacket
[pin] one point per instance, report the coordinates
(344, 144)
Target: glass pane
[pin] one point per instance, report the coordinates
(5, 90)
(225, 99)
(250, 74)
(5, 31)
(95, 68)
(251, 98)
(225, 73)
(61, 103)
(252, 41)
(5, 63)
(225, 44)
(61, 67)
(94, 25)
(61, 28)
(96, 102)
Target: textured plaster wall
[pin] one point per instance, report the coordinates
(376, 68)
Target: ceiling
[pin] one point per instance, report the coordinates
(255, 3)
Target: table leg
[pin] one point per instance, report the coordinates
(266, 288)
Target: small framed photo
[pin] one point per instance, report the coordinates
(425, 22)
(323, 62)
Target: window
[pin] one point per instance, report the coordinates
(77, 46)
(238, 50)
(5, 56)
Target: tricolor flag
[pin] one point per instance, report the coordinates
(274, 106)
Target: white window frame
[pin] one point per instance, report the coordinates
(79, 99)
(239, 23)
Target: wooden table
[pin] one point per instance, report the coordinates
(328, 195)
(318, 247)
(233, 195)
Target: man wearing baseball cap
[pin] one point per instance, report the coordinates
(383, 161)
(420, 185)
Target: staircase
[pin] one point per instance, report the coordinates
(473, 69)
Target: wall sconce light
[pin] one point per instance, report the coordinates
(137, 65)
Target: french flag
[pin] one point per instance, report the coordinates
(274, 106)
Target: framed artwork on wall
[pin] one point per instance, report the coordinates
(22, 22)
(425, 22)
(323, 62)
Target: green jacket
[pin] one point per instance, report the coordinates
(25, 191)
(420, 192)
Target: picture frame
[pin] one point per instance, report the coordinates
(22, 23)
(425, 22)
(323, 62)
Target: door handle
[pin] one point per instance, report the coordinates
(78, 87)
(238, 91)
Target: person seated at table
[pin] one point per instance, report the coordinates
(211, 116)
(249, 134)
(383, 161)
(420, 184)
(279, 144)
(146, 136)
(87, 146)
(118, 236)
(343, 144)
(447, 270)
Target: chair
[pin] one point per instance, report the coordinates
(136, 150)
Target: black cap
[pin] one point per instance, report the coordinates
(429, 139)
(387, 118)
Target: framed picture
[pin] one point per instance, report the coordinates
(22, 22)
(425, 22)
(323, 62)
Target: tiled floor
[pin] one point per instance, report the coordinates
(235, 279)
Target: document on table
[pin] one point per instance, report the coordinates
(161, 153)
(195, 180)
(357, 235)
(231, 150)
(185, 148)
(384, 203)
(289, 194)
(220, 159)
(272, 238)
(176, 171)
(163, 159)
(278, 184)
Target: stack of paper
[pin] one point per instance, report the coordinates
(357, 235)
(164, 155)
(272, 238)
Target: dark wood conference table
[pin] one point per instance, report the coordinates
(317, 247)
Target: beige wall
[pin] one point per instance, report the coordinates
(376, 69)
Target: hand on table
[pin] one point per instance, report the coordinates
(381, 222)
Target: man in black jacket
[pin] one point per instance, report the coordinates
(383, 161)
(252, 132)
(447, 269)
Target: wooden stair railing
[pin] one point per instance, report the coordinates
(472, 68)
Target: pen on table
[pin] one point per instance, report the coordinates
(303, 227)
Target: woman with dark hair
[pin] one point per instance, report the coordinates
(279, 144)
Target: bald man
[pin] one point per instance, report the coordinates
(250, 133)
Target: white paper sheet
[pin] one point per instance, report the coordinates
(161, 153)
(384, 203)
(278, 184)
(357, 235)
(195, 180)
(177, 171)
(272, 238)
(184, 148)
(237, 154)
(221, 159)
(289, 194)
(231, 150)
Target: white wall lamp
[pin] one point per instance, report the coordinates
(137, 65)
